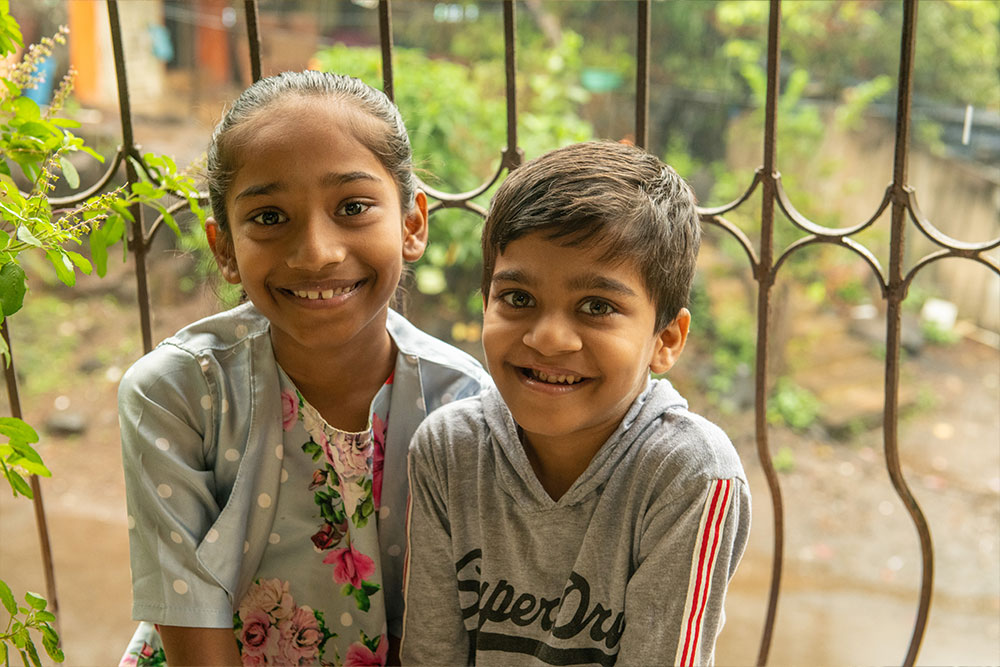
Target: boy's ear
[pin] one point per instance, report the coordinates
(222, 248)
(415, 229)
(670, 343)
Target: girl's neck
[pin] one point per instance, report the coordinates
(340, 382)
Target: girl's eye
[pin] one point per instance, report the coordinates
(597, 307)
(353, 208)
(268, 218)
(517, 299)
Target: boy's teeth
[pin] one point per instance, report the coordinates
(324, 294)
(556, 379)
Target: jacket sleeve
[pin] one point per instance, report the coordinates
(166, 412)
(688, 552)
(433, 628)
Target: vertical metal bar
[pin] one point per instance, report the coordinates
(512, 155)
(765, 279)
(36, 489)
(138, 240)
(385, 37)
(642, 75)
(253, 37)
(896, 292)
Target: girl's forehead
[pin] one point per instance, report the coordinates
(296, 115)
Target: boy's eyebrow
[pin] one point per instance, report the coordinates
(333, 178)
(510, 276)
(602, 283)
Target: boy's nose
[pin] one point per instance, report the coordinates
(552, 335)
(317, 243)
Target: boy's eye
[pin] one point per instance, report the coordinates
(597, 307)
(268, 218)
(353, 208)
(518, 299)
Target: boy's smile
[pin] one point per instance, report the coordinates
(569, 339)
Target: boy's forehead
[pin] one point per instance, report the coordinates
(579, 263)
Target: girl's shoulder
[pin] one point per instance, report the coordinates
(416, 344)
(220, 331)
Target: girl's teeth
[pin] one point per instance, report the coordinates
(324, 294)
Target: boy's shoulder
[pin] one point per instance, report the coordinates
(676, 441)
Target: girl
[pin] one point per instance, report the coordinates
(265, 447)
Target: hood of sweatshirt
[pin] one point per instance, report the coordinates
(514, 471)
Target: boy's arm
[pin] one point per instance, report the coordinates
(433, 629)
(688, 553)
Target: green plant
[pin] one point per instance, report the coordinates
(37, 144)
(793, 406)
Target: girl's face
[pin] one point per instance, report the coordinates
(316, 234)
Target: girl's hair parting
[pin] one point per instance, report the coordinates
(391, 147)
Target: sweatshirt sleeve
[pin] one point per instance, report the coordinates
(688, 553)
(165, 409)
(433, 629)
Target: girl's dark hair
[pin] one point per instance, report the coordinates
(391, 147)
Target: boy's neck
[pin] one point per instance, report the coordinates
(559, 461)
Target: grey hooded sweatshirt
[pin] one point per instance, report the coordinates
(629, 566)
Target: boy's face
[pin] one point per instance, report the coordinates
(570, 340)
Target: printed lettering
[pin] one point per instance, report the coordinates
(494, 611)
(523, 606)
(574, 626)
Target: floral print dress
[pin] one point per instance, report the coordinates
(317, 598)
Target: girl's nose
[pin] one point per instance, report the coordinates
(553, 334)
(316, 244)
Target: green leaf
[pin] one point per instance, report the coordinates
(24, 235)
(169, 219)
(64, 267)
(17, 430)
(27, 108)
(35, 600)
(364, 603)
(121, 209)
(7, 598)
(33, 654)
(18, 484)
(45, 617)
(80, 261)
(99, 250)
(12, 288)
(70, 172)
(65, 122)
(3, 653)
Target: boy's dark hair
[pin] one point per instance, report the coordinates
(609, 194)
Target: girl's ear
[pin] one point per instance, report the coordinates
(670, 343)
(415, 229)
(222, 248)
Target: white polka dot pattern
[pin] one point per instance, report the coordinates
(164, 491)
(162, 444)
(180, 586)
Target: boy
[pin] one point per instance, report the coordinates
(580, 514)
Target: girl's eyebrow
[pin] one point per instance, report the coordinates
(331, 179)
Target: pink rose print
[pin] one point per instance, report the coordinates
(269, 596)
(359, 655)
(289, 409)
(350, 566)
(349, 454)
(259, 639)
(128, 661)
(147, 650)
(300, 638)
(319, 479)
(378, 459)
(329, 535)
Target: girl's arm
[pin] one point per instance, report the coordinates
(212, 647)
(688, 553)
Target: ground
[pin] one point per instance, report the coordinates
(851, 553)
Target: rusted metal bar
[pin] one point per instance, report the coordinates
(765, 279)
(385, 38)
(137, 241)
(642, 75)
(896, 292)
(512, 155)
(253, 37)
(14, 399)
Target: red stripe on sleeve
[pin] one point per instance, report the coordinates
(703, 541)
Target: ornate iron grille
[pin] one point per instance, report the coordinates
(764, 258)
